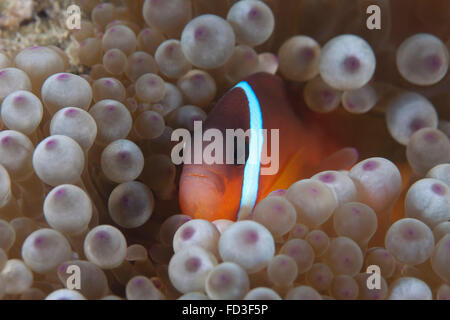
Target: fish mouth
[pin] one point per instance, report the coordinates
(212, 178)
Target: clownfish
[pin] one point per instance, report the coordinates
(230, 191)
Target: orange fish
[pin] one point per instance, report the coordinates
(230, 191)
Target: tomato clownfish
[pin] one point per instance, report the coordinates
(230, 191)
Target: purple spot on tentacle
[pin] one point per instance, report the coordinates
(201, 33)
(123, 155)
(282, 262)
(327, 178)
(63, 76)
(251, 237)
(410, 233)
(38, 241)
(438, 189)
(224, 278)
(50, 144)
(108, 83)
(139, 281)
(102, 235)
(192, 264)
(433, 62)
(170, 49)
(352, 64)
(278, 208)
(6, 140)
(62, 268)
(126, 201)
(307, 54)
(417, 124)
(431, 137)
(61, 192)
(327, 96)
(70, 112)
(370, 165)
(187, 233)
(254, 14)
(279, 192)
(19, 100)
(294, 251)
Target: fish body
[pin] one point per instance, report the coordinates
(230, 191)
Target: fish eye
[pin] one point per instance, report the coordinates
(239, 158)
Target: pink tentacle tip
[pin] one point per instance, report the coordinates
(139, 282)
(438, 189)
(63, 268)
(102, 235)
(2, 73)
(70, 112)
(251, 237)
(19, 99)
(123, 155)
(352, 64)
(187, 233)
(433, 62)
(126, 201)
(193, 264)
(307, 54)
(279, 192)
(111, 108)
(198, 77)
(416, 124)
(63, 76)
(170, 49)
(61, 192)
(431, 137)
(327, 177)
(108, 83)
(39, 242)
(201, 33)
(50, 144)
(370, 165)
(278, 208)
(6, 140)
(254, 13)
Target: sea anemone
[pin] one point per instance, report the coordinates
(88, 181)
